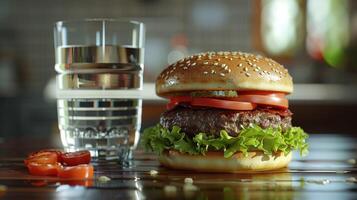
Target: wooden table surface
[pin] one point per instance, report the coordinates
(323, 174)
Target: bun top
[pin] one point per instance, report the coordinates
(223, 71)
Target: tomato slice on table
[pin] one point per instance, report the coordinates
(42, 158)
(76, 158)
(43, 155)
(83, 171)
(43, 169)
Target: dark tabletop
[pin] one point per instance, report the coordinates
(326, 173)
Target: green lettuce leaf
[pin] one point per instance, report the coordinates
(270, 140)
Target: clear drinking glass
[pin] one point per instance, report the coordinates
(99, 61)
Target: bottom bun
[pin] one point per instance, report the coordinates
(215, 161)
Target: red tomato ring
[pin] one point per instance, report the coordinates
(43, 169)
(42, 158)
(264, 93)
(76, 158)
(276, 101)
(221, 103)
(83, 171)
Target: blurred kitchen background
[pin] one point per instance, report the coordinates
(315, 39)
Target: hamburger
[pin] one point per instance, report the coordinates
(227, 112)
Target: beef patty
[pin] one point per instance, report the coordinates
(211, 121)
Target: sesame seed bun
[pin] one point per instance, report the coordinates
(215, 162)
(224, 71)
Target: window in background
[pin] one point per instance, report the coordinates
(280, 25)
(327, 30)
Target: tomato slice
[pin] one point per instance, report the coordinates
(49, 153)
(76, 158)
(266, 98)
(258, 92)
(42, 158)
(211, 102)
(174, 101)
(43, 169)
(221, 103)
(269, 100)
(56, 151)
(83, 171)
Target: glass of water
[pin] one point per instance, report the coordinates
(98, 63)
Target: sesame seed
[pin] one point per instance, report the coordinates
(153, 172)
(249, 63)
(205, 72)
(185, 68)
(226, 67)
(205, 63)
(215, 64)
(270, 64)
(261, 73)
(247, 74)
(229, 70)
(240, 65)
(218, 59)
(222, 74)
(245, 69)
(230, 58)
(225, 56)
(223, 65)
(212, 71)
(254, 65)
(193, 64)
(256, 69)
(103, 179)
